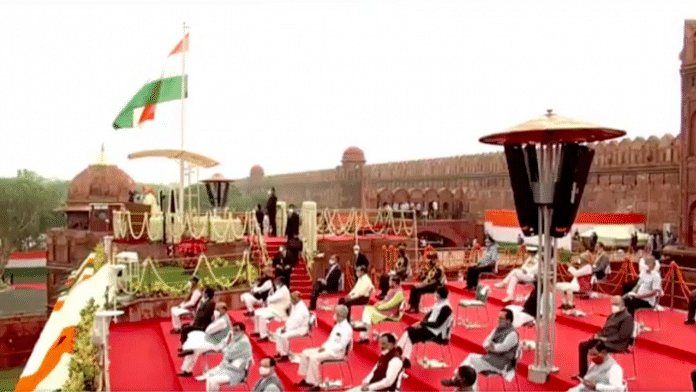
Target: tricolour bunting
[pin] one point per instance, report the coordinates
(166, 88)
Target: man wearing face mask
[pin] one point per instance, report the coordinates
(330, 283)
(432, 327)
(204, 314)
(271, 206)
(360, 293)
(485, 264)
(268, 382)
(335, 347)
(187, 307)
(296, 325)
(616, 334)
(604, 373)
(646, 291)
(430, 280)
(292, 229)
(359, 259)
(259, 293)
(283, 263)
(198, 342)
(384, 376)
(236, 360)
(277, 308)
(500, 345)
(464, 379)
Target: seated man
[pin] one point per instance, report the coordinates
(485, 264)
(198, 342)
(383, 310)
(277, 305)
(583, 268)
(647, 290)
(204, 315)
(260, 292)
(616, 334)
(330, 283)
(601, 263)
(464, 379)
(501, 348)
(642, 268)
(400, 271)
(432, 327)
(335, 347)
(296, 325)
(360, 294)
(526, 274)
(187, 307)
(604, 373)
(268, 379)
(385, 375)
(432, 278)
(235, 362)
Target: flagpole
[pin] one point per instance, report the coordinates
(183, 100)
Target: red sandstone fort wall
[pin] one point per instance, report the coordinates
(635, 175)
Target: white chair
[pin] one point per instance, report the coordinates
(442, 342)
(207, 354)
(507, 375)
(309, 334)
(655, 309)
(340, 362)
(481, 301)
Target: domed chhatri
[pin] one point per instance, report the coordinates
(353, 155)
(256, 171)
(101, 182)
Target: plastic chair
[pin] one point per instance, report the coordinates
(444, 341)
(490, 275)
(340, 362)
(653, 309)
(631, 350)
(480, 302)
(217, 350)
(312, 324)
(504, 375)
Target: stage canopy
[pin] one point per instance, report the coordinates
(190, 157)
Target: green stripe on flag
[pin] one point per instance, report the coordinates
(158, 91)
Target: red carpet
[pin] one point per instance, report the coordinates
(30, 286)
(145, 358)
(139, 359)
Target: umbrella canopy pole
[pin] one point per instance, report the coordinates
(548, 165)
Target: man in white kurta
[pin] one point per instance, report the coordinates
(604, 373)
(525, 274)
(186, 307)
(214, 337)
(335, 347)
(297, 324)
(261, 290)
(277, 305)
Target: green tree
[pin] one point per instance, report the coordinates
(27, 202)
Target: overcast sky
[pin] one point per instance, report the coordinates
(290, 84)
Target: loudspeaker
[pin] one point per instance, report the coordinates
(576, 161)
(524, 172)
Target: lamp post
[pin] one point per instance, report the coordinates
(217, 188)
(548, 161)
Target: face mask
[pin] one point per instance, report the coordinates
(290, 211)
(335, 318)
(355, 252)
(216, 314)
(597, 359)
(332, 261)
(269, 192)
(615, 308)
(264, 371)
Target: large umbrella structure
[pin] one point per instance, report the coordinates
(548, 161)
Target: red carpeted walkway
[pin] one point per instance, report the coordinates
(139, 358)
(144, 354)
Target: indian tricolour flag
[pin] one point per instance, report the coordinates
(167, 87)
